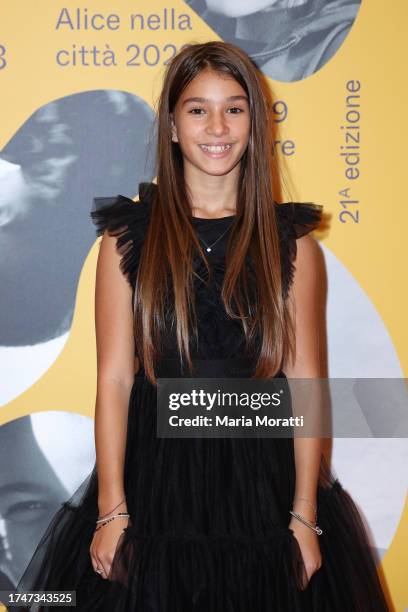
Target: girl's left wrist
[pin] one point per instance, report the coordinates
(306, 506)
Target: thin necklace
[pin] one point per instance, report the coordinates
(210, 246)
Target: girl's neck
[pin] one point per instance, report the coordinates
(213, 200)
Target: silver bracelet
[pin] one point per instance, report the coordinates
(300, 518)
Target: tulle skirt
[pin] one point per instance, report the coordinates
(208, 530)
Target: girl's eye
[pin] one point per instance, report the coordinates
(233, 108)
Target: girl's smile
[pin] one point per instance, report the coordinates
(216, 151)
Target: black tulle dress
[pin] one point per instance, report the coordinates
(209, 517)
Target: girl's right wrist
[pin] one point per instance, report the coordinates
(108, 505)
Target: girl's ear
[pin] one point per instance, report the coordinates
(173, 129)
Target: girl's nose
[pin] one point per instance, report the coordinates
(217, 124)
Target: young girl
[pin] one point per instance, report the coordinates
(207, 276)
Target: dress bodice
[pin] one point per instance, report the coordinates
(219, 336)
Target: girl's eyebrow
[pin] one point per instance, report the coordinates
(229, 99)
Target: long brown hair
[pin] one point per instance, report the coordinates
(166, 262)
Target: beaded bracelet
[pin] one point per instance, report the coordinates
(105, 522)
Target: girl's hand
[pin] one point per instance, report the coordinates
(104, 544)
(309, 546)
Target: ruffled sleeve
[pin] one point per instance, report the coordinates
(294, 221)
(127, 220)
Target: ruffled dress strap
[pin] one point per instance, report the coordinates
(127, 220)
(294, 219)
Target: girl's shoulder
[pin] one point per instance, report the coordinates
(113, 213)
(127, 220)
(294, 220)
